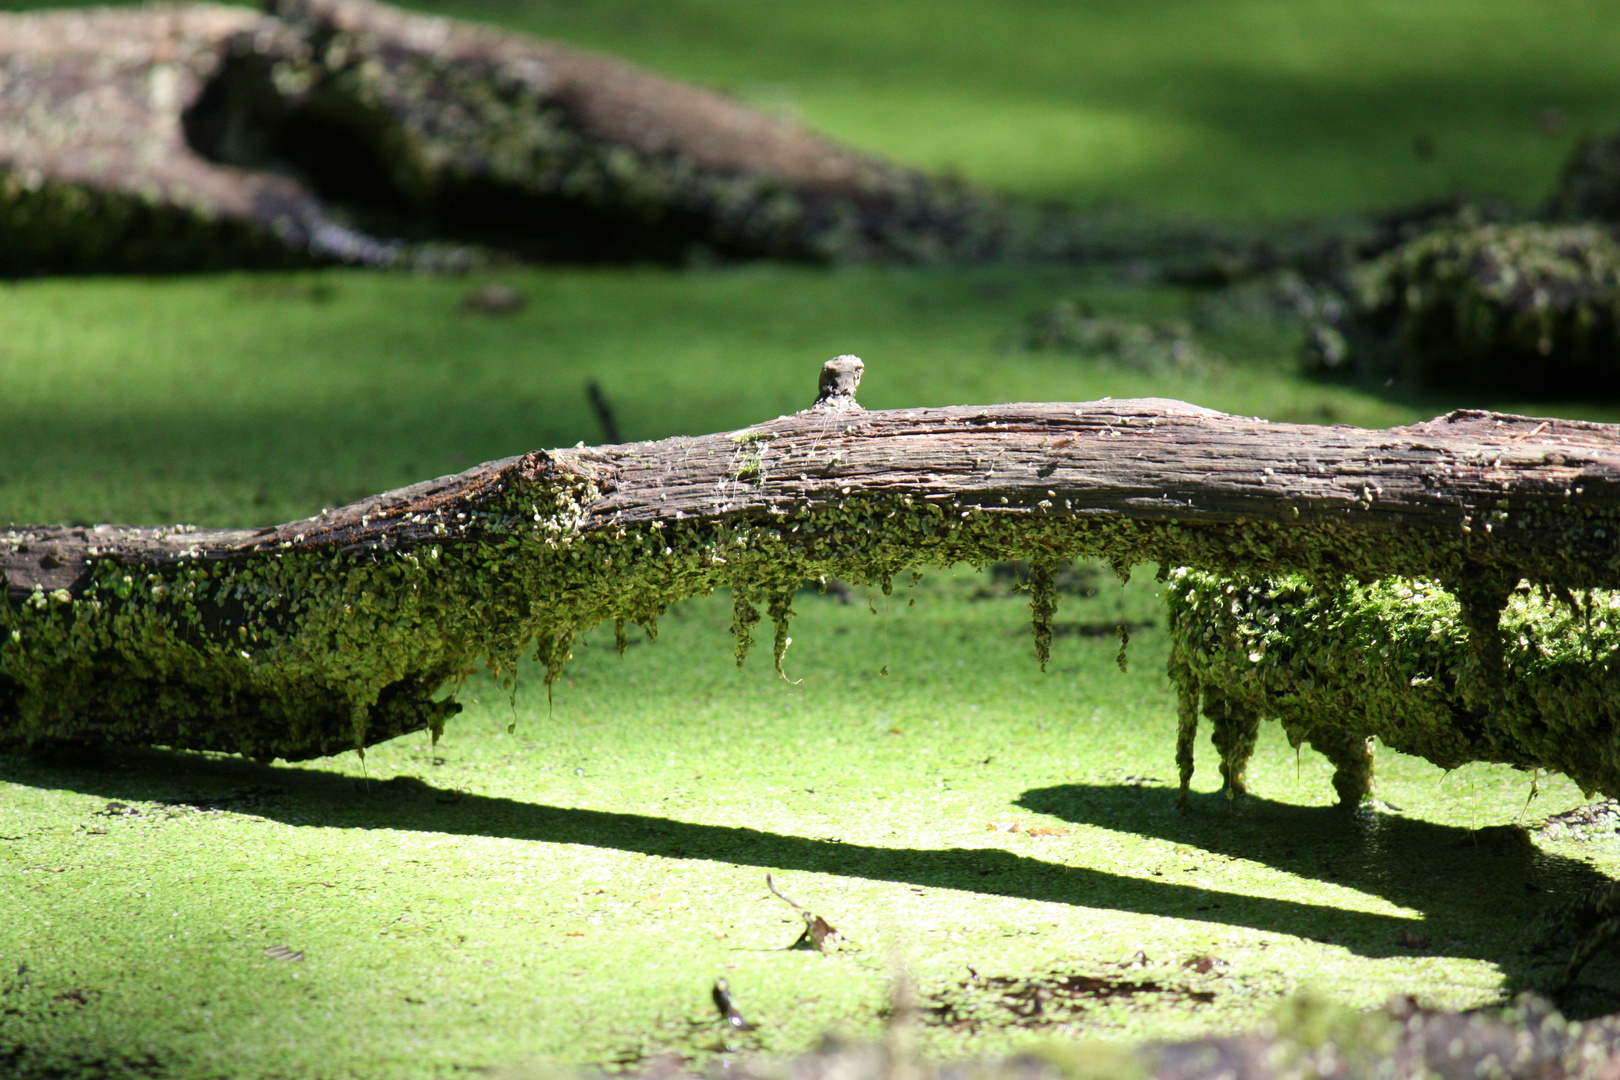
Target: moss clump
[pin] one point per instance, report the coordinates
(1589, 186)
(1153, 348)
(56, 226)
(1517, 308)
(1339, 664)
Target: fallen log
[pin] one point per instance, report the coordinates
(341, 630)
(200, 136)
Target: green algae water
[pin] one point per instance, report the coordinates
(570, 892)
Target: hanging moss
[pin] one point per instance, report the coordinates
(1042, 605)
(1340, 663)
(744, 617)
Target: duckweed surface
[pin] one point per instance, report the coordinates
(570, 892)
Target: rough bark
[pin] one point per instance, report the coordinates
(339, 630)
(197, 136)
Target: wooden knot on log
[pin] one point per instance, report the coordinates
(839, 378)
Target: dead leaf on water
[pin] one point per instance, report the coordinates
(1411, 940)
(818, 934)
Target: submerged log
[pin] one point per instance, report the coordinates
(341, 630)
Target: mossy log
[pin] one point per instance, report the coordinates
(196, 136)
(1530, 308)
(342, 630)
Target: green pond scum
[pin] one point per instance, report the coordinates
(572, 891)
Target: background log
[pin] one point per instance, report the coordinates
(202, 136)
(339, 630)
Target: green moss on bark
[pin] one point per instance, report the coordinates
(49, 225)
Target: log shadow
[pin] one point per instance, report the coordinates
(310, 797)
(1481, 891)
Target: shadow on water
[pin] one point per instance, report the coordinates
(1480, 891)
(1477, 891)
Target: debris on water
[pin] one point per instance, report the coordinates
(1587, 822)
(494, 299)
(607, 420)
(1306, 1037)
(1016, 825)
(819, 934)
(240, 801)
(728, 1009)
(997, 1002)
(1203, 965)
(1148, 347)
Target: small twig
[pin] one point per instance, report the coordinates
(818, 932)
(603, 411)
(728, 1010)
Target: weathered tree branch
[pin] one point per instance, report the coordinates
(337, 631)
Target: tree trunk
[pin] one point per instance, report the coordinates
(338, 631)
